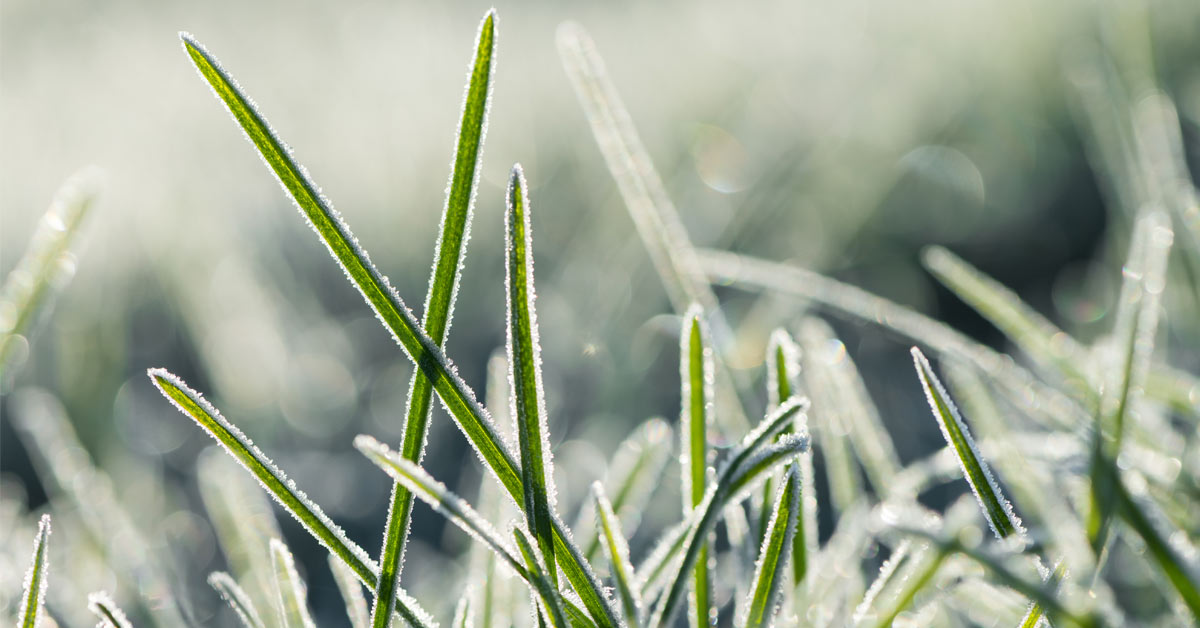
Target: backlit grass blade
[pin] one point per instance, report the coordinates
(528, 405)
(439, 302)
(696, 374)
(35, 579)
(918, 578)
(996, 509)
(455, 510)
(1178, 572)
(456, 396)
(46, 266)
(901, 557)
(111, 616)
(293, 609)
(617, 550)
(237, 599)
(462, 613)
(550, 601)
(192, 404)
(351, 590)
(770, 575)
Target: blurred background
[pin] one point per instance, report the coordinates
(841, 137)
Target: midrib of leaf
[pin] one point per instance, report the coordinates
(456, 396)
(35, 579)
(439, 303)
(697, 399)
(524, 360)
(769, 574)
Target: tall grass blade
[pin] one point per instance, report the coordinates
(111, 616)
(456, 396)
(35, 579)
(996, 509)
(237, 599)
(617, 550)
(528, 405)
(439, 302)
(551, 603)
(769, 574)
(192, 404)
(351, 590)
(46, 267)
(293, 610)
(696, 374)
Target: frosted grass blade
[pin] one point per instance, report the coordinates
(111, 616)
(293, 609)
(192, 404)
(528, 405)
(996, 509)
(35, 579)
(439, 302)
(902, 556)
(351, 590)
(46, 267)
(550, 601)
(696, 374)
(920, 576)
(462, 613)
(458, 399)
(769, 574)
(617, 550)
(1176, 569)
(831, 425)
(237, 599)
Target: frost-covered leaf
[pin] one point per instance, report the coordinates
(351, 590)
(696, 375)
(35, 579)
(238, 600)
(769, 575)
(1179, 570)
(289, 589)
(617, 550)
(551, 603)
(111, 616)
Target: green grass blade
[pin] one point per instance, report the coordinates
(111, 616)
(769, 574)
(528, 405)
(456, 396)
(293, 609)
(35, 578)
(237, 599)
(1182, 576)
(462, 613)
(617, 550)
(192, 404)
(696, 374)
(551, 602)
(996, 509)
(351, 591)
(897, 563)
(44, 268)
(920, 577)
(439, 302)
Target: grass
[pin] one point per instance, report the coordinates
(747, 549)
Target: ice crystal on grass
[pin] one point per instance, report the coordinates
(35, 579)
(236, 597)
(111, 616)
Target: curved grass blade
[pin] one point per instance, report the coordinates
(458, 399)
(237, 599)
(45, 267)
(439, 302)
(769, 574)
(111, 616)
(351, 590)
(293, 610)
(696, 373)
(528, 405)
(617, 550)
(192, 404)
(996, 509)
(35, 578)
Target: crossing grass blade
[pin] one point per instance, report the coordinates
(293, 609)
(236, 597)
(528, 405)
(351, 590)
(439, 302)
(617, 550)
(770, 575)
(35, 579)
(996, 509)
(551, 603)
(458, 399)
(111, 616)
(310, 516)
(696, 374)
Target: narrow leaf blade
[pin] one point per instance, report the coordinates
(35, 578)
(769, 574)
(293, 610)
(236, 597)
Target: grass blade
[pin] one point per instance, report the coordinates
(439, 302)
(456, 396)
(111, 616)
(45, 267)
(617, 550)
(279, 486)
(351, 590)
(237, 599)
(769, 575)
(462, 613)
(528, 405)
(902, 556)
(696, 373)
(1182, 576)
(920, 576)
(996, 509)
(293, 610)
(551, 602)
(35, 578)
